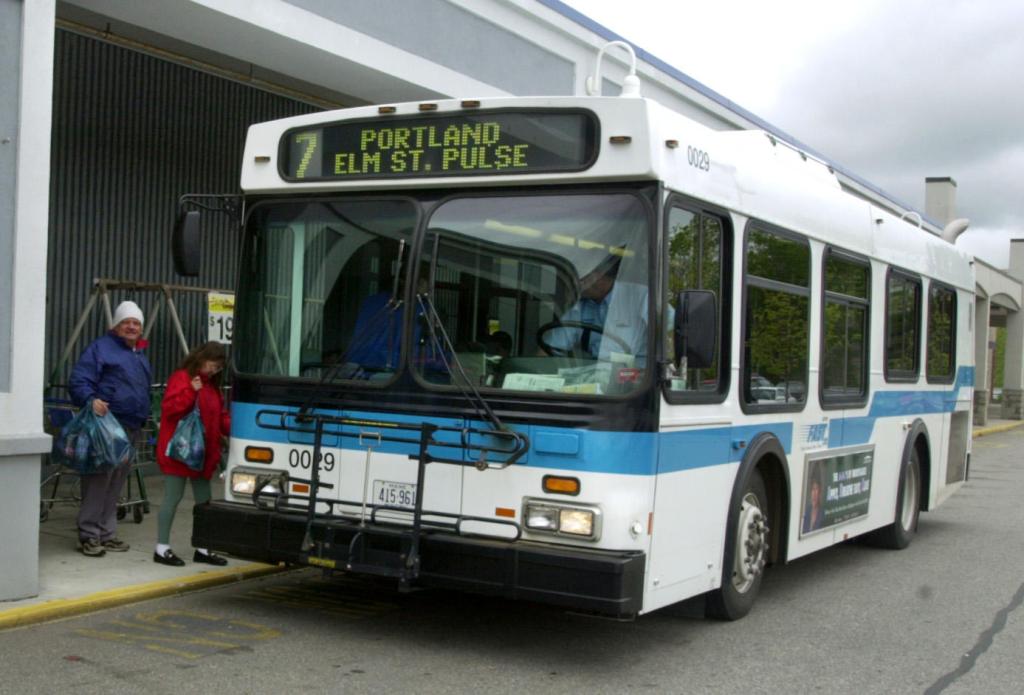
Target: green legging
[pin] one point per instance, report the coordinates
(174, 490)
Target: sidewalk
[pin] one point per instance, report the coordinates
(72, 584)
(996, 425)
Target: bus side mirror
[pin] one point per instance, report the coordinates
(185, 247)
(695, 328)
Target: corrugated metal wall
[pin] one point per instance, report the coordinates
(131, 133)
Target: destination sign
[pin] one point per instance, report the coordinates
(453, 145)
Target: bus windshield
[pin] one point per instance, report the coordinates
(543, 292)
(514, 291)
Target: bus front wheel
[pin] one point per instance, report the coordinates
(746, 554)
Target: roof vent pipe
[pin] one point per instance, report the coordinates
(955, 229)
(630, 84)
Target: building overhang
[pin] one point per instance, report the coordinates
(1001, 289)
(290, 47)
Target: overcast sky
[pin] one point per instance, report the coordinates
(893, 91)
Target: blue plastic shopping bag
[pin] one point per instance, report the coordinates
(90, 443)
(188, 443)
(110, 442)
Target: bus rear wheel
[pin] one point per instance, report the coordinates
(746, 554)
(898, 534)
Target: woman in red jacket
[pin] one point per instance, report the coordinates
(197, 381)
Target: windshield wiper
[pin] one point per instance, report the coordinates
(444, 346)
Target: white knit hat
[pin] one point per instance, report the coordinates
(127, 310)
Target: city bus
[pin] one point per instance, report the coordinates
(582, 351)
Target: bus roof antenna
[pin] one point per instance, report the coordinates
(630, 84)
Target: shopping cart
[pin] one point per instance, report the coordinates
(61, 485)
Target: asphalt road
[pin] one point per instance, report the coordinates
(943, 615)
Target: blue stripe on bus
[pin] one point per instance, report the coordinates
(244, 426)
(716, 446)
(857, 430)
(623, 453)
(638, 453)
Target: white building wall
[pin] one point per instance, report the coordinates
(1013, 371)
(21, 407)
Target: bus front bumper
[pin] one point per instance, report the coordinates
(603, 582)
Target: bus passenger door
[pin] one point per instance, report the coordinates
(696, 462)
(692, 491)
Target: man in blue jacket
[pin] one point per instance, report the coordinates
(112, 375)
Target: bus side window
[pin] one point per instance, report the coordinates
(776, 329)
(695, 260)
(845, 330)
(940, 362)
(902, 326)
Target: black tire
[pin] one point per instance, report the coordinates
(44, 511)
(121, 513)
(746, 554)
(898, 534)
(137, 513)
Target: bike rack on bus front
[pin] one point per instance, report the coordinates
(403, 565)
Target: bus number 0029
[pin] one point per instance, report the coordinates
(304, 459)
(698, 158)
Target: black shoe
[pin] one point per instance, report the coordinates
(209, 558)
(168, 558)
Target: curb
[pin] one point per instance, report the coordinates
(982, 431)
(111, 598)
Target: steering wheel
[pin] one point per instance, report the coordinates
(588, 331)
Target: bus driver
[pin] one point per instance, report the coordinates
(610, 316)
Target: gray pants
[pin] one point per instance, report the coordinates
(97, 516)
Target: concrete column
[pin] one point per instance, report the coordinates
(1013, 372)
(26, 81)
(981, 365)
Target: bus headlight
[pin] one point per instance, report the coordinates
(541, 518)
(245, 482)
(579, 521)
